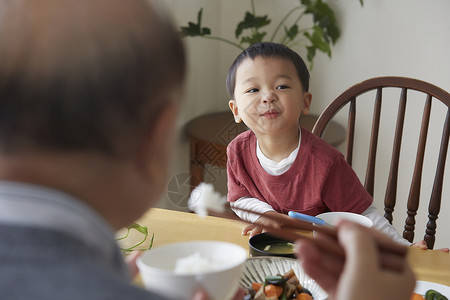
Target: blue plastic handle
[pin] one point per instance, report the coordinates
(306, 218)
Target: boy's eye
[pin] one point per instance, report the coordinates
(252, 90)
(282, 87)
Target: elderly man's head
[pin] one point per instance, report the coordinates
(84, 75)
(88, 92)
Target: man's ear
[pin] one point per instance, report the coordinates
(156, 150)
(234, 109)
(306, 101)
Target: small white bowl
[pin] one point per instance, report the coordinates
(333, 217)
(157, 268)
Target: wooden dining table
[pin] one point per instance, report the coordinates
(169, 226)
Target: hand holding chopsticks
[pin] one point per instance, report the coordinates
(360, 275)
(327, 237)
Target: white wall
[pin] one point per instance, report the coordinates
(384, 37)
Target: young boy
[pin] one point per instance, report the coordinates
(277, 166)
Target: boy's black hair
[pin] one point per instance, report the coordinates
(268, 49)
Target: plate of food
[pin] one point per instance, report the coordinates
(430, 290)
(263, 271)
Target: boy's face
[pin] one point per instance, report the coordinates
(269, 96)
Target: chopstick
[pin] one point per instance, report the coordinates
(389, 250)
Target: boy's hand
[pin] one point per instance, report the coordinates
(254, 229)
(423, 246)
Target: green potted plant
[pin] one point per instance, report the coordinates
(320, 36)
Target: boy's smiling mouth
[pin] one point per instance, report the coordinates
(271, 113)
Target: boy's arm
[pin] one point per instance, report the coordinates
(249, 203)
(381, 224)
(256, 205)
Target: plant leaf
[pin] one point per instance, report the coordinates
(305, 2)
(311, 53)
(195, 29)
(317, 41)
(251, 21)
(320, 40)
(324, 17)
(253, 39)
(292, 32)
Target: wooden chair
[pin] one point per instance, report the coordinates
(431, 95)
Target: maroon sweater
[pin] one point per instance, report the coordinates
(319, 180)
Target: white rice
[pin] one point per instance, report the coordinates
(195, 264)
(204, 198)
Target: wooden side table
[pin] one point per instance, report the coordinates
(210, 134)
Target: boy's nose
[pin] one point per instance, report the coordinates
(268, 97)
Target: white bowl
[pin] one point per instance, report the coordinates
(157, 268)
(333, 217)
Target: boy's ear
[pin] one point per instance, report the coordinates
(234, 109)
(306, 101)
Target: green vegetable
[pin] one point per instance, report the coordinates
(275, 280)
(434, 295)
(141, 229)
